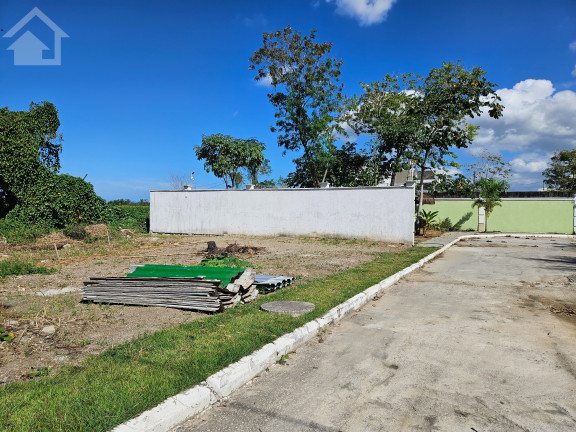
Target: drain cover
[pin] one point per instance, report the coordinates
(294, 308)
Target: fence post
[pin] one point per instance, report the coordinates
(481, 219)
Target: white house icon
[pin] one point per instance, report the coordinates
(28, 48)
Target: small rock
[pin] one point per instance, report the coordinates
(11, 323)
(49, 329)
(153, 239)
(66, 246)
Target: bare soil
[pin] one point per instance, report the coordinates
(52, 328)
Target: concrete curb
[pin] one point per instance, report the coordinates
(193, 401)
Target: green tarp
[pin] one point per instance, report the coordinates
(224, 274)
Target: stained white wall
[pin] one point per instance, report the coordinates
(375, 213)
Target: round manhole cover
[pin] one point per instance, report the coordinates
(294, 308)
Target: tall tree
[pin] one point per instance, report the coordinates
(384, 111)
(489, 196)
(29, 144)
(561, 174)
(227, 156)
(444, 100)
(489, 165)
(307, 94)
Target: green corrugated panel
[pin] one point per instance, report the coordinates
(224, 274)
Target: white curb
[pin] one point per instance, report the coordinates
(193, 401)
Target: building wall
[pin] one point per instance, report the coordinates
(533, 215)
(378, 213)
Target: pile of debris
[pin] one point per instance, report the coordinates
(209, 289)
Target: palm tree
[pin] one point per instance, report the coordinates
(489, 195)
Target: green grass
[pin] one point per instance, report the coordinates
(224, 261)
(16, 267)
(117, 385)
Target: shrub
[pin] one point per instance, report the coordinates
(134, 217)
(59, 200)
(76, 232)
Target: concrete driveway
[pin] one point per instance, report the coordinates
(481, 339)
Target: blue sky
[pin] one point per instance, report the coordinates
(141, 81)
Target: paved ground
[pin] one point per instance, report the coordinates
(482, 339)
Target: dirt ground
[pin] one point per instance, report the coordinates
(53, 328)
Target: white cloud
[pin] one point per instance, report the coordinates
(535, 117)
(367, 12)
(574, 71)
(265, 81)
(537, 121)
(572, 46)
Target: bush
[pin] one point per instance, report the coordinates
(76, 232)
(15, 231)
(134, 217)
(59, 200)
(445, 225)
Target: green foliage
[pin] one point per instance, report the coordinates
(128, 202)
(343, 166)
(5, 336)
(306, 95)
(489, 195)
(444, 224)
(76, 232)
(429, 217)
(224, 261)
(227, 156)
(29, 145)
(59, 200)
(17, 267)
(457, 185)
(15, 231)
(134, 217)
(383, 111)
(421, 120)
(489, 165)
(561, 174)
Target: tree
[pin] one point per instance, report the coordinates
(256, 163)
(383, 111)
(29, 144)
(455, 185)
(307, 95)
(443, 102)
(561, 174)
(489, 195)
(345, 166)
(489, 165)
(226, 157)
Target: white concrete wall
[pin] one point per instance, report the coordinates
(376, 213)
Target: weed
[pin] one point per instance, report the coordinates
(5, 336)
(224, 261)
(17, 267)
(45, 371)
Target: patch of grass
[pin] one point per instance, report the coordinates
(224, 261)
(117, 385)
(17, 267)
